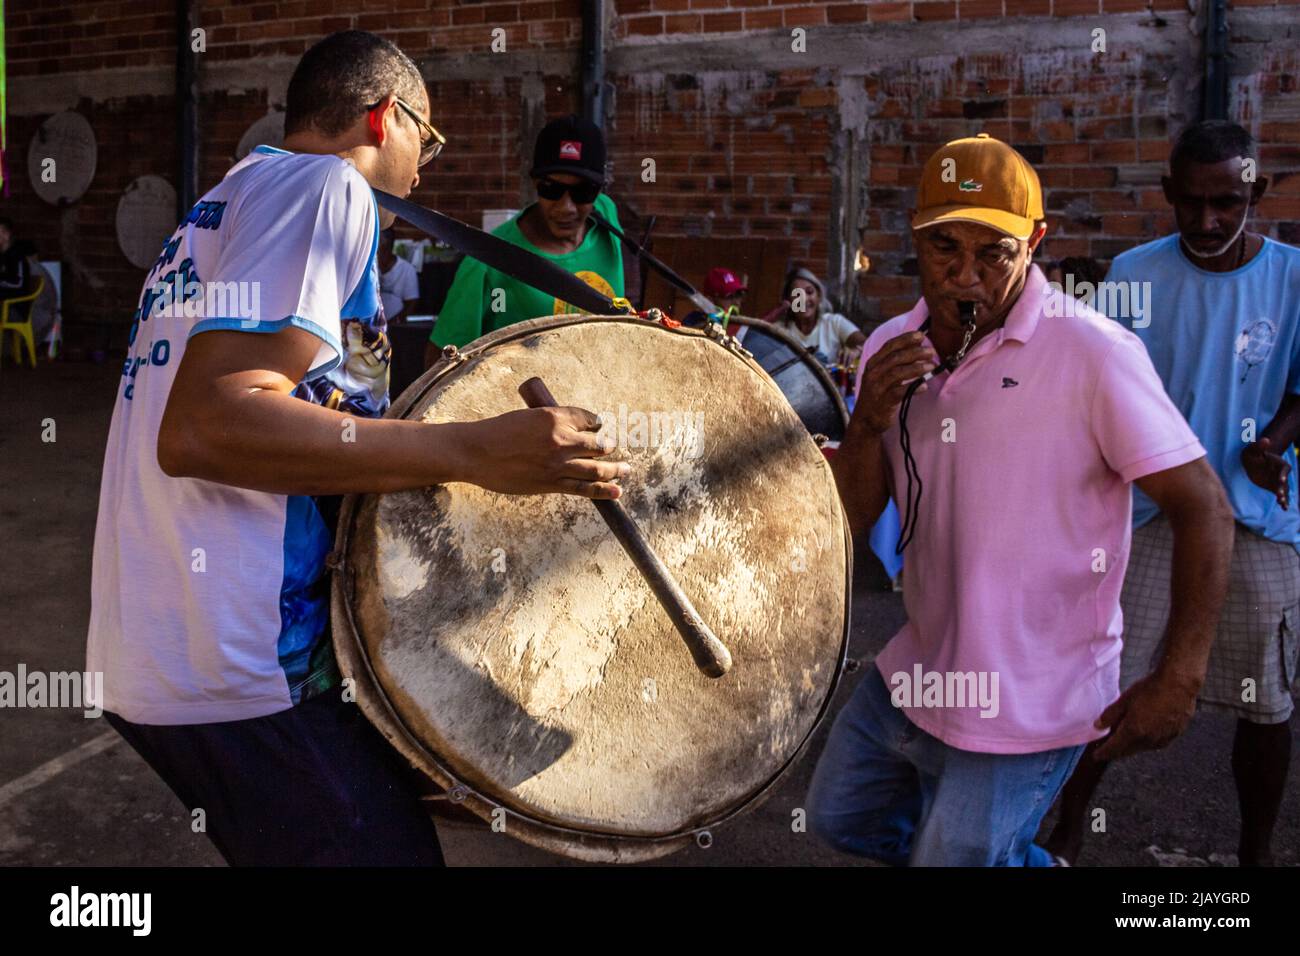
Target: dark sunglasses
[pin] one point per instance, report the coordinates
(582, 193)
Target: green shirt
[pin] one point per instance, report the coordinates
(482, 299)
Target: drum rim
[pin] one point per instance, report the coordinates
(594, 844)
(770, 328)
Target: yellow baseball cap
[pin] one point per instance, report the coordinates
(979, 179)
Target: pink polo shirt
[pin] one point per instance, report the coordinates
(1012, 579)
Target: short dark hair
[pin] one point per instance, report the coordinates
(7, 223)
(343, 74)
(1211, 141)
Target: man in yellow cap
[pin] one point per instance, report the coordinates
(1023, 418)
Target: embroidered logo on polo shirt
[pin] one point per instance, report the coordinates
(1255, 343)
(1009, 382)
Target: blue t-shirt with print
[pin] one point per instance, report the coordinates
(1227, 347)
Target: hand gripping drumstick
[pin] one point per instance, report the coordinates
(711, 655)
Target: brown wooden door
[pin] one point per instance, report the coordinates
(761, 261)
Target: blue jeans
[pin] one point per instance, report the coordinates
(886, 789)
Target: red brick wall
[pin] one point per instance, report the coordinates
(655, 17)
(44, 37)
(1090, 133)
(135, 137)
(716, 174)
(1267, 102)
(740, 151)
(100, 287)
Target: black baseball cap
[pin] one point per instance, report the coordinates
(570, 145)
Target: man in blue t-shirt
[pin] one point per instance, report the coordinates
(1218, 308)
(252, 396)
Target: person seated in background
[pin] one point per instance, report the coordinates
(45, 307)
(569, 176)
(399, 286)
(15, 270)
(806, 314)
(726, 289)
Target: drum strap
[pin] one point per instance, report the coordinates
(659, 266)
(505, 256)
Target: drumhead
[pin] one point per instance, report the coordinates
(509, 648)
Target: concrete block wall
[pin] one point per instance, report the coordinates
(751, 137)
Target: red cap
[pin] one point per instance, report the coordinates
(722, 282)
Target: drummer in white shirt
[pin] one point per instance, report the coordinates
(806, 314)
(399, 286)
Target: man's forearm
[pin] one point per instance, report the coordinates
(267, 440)
(1202, 553)
(859, 469)
(1284, 430)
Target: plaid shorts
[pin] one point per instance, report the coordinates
(1257, 634)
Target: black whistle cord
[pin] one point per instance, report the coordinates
(913, 505)
(909, 466)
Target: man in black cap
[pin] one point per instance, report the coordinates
(568, 173)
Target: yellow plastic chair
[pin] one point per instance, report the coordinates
(22, 329)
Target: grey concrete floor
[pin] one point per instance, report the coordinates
(72, 793)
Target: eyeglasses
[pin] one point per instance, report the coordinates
(582, 193)
(431, 141)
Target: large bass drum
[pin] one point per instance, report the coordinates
(511, 651)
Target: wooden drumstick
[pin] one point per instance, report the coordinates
(711, 655)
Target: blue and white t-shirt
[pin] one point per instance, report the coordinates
(1227, 347)
(210, 603)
